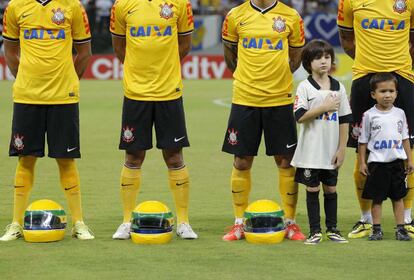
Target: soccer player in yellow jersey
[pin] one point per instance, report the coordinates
(379, 36)
(38, 39)
(263, 40)
(150, 37)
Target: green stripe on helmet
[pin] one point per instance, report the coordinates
(166, 215)
(41, 212)
(249, 215)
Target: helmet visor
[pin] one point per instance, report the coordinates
(264, 224)
(43, 220)
(151, 223)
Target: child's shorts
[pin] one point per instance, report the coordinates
(385, 180)
(313, 177)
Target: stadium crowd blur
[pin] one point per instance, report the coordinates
(99, 12)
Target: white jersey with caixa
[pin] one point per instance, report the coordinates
(319, 138)
(384, 132)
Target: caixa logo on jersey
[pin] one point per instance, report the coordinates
(388, 144)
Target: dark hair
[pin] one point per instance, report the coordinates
(315, 49)
(382, 77)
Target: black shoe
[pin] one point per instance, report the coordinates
(376, 235)
(401, 234)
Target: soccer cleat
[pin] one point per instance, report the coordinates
(410, 229)
(360, 229)
(82, 231)
(13, 231)
(335, 236)
(185, 231)
(293, 232)
(123, 232)
(401, 234)
(236, 233)
(314, 238)
(376, 235)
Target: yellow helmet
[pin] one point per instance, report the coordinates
(152, 223)
(263, 222)
(44, 221)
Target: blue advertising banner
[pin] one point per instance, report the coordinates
(322, 26)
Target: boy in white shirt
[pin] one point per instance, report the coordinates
(384, 133)
(322, 109)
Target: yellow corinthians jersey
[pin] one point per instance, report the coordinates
(262, 77)
(46, 31)
(382, 30)
(152, 70)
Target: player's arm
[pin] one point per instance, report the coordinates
(330, 104)
(11, 54)
(119, 45)
(407, 149)
(412, 46)
(347, 38)
(83, 54)
(339, 157)
(362, 154)
(184, 45)
(295, 55)
(230, 55)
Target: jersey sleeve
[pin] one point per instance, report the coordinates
(404, 134)
(412, 19)
(297, 35)
(345, 19)
(11, 29)
(301, 105)
(229, 30)
(344, 112)
(117, 25)
(80, 25)
(185, 19)
(365, 129)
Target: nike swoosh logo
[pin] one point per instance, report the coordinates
(131, 12)
(16, 187)
(237, 192)
(71, 149)
(66, 189)
(179, 139)
(366, 4)
(124, 185)
(242, 23)
(309, 99)
(290, 146)
(292, 193)
(24, 16)
(180, 184)
(411, 136)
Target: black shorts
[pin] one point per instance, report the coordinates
(385, 180)
(246, 124)
(361, 101)
(32, 122)
(313, 177)
(138, 117)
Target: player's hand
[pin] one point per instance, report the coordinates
(363, 169)
(339, 158)
(331, 102)
(410, 168)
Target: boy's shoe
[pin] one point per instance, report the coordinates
(376, 235)
(82, 231)
(13, 231)
(185, 231)
(314, 238)
(335, 236)
(123, 232)
(401, 234)
(236, 233)
(360, 229)
(293, 232)
(410, 229)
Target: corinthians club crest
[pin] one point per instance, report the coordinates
(166, 11)
(58, 16)
(279, 24)
(400, 6)
(232, 136)
(127, 134)
(18, 142)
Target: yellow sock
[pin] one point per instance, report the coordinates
(70, 183)
(179, 186)
(359, 181)
(130, 185)
(288, 189)
(241, 185)
(23, 183)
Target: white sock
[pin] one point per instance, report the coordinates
(407, 215)
(238, 221)
(289, 221)
(366, 217)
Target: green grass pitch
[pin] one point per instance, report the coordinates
(210, 209)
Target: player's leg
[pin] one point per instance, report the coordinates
(137, 119)
(377, 232)
(27, 142)
(405, 101)
(360, 102)
(171, 133)
(280, 137)
(62, 123)
(242, 139)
